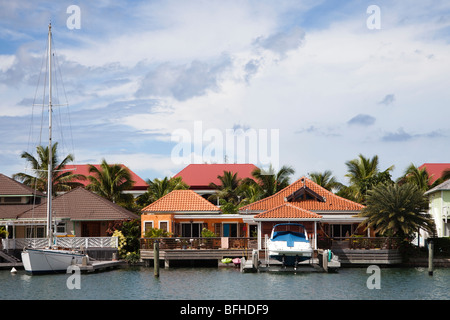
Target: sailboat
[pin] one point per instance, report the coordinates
(50, 259)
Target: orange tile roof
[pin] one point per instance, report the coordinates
(332, 202)
(288, 211)
(179, 201)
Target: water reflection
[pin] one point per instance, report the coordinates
(229, 283)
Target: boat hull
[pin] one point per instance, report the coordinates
(289, 255)
(42, 261)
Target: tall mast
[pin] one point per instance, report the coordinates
(50, 155)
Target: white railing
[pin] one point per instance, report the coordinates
(66, 242)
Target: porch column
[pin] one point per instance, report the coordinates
(315, 235)
(259, 235)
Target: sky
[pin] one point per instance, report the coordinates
(156, 85)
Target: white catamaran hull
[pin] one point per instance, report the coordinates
(49, 260)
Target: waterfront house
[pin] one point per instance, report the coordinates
(184, 213)
(199, 176)
(440, 207)
(77, 213)
(15, 199)
(324, 214)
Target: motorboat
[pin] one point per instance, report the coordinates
(289, 244)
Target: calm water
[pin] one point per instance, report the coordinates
(229, 284)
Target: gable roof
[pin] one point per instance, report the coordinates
(332, 202)
(80, 204)
(199, 176)
(139, 183)
(11, 187)
(181, 201)
(288, 211)
(435, 170)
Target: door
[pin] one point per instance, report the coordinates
(229, 230)
(90, 229)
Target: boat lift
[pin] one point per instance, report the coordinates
(325, 261)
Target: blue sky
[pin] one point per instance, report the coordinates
(137, 71)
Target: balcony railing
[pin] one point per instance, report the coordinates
(200, 243)
(359, 242)
(64, 242)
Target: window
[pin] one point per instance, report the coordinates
(35, 232)
(147, 226)
(164, 225)
(60, 227)
(341, 230)
(253, 230)
(191, 229)
(12, 199)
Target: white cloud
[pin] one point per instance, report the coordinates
(164, 65)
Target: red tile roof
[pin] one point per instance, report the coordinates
(181, 201)
(139, 183)
(332, 202)
(288, 211)
(435, 170)
(80, 204)
(199, 176)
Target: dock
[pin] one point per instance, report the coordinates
(96, 266)
(323, 262)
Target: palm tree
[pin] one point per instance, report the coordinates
(61, 180)
(326, 180)
(158, 188)
(251, 191)
(109, 181)
(416, 176)
(445, 175)
(228, 189)
(272, 182)
(363, 174)
(397, 210)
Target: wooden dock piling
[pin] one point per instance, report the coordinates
(156, 258)
(430, 257)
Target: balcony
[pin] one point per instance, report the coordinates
(64, 242)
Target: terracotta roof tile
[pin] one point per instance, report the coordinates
(181, 200)
(288, 211)
(332, 201)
